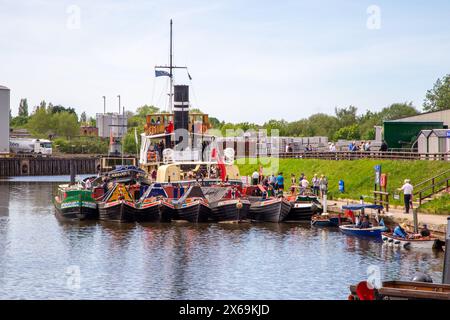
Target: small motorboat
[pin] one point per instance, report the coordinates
(325, 220)
(400, 290)
(226, 204)
(353, 230)
(303, 207)
(413, 243)
(270, 210)
(75, 203)
(191, 207)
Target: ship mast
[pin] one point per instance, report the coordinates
(171, 68)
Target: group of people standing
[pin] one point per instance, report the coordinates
(362, 146)
(318, 185)
(276, 184)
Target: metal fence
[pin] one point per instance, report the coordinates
(356, 155)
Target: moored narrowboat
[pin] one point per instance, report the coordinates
(75, 203)
(270, 210)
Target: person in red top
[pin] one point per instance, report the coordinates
(170, 127)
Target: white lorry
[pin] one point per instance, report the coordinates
(36, 146)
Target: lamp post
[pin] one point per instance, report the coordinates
(120, 108)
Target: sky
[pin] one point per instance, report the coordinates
(249, 60)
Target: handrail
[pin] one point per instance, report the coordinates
(430, 179)
(435, 186)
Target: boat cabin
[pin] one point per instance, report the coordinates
(161, 123)
(181, 172)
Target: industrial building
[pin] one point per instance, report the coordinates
(403, 133)
(111, 124)
(4, 119)
(436, 116)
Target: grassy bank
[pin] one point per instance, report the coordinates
(437, 206)
(358, 175)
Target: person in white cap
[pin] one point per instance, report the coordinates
(407, 189)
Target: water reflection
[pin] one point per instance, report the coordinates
(182, 261)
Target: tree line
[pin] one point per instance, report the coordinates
(63, 124)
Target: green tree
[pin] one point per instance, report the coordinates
(65, 124)
(438, 98)
(346, 116)
(196, 110)
(40, 123)
(399, 110)
(43, 105)
(146, 110)
(83, 118)
(348, 133)
(23, 108)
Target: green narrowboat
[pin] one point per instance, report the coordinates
(75, 203)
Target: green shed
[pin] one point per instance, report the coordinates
(402, 134)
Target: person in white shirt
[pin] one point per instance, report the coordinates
(407, 189)
(304, 185)
(332, 147)
(316, 184)
(88, 184)
(255, 178)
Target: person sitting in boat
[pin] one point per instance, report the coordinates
(400, 232)
(264, 195)
(425, 232)
(365, 223)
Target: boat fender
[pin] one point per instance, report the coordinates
(239, 205)
(385, 239)
(422, 277)
(407, 245)
(397, 242)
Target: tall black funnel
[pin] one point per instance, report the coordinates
(181, 113)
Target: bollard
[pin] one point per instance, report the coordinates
(416, 222)
(446, 273)
(324, 204)
(73, 172)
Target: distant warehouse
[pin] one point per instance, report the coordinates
(111, 124)
(404, 133)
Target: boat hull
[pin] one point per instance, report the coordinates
(195, 212)
(389, 239)
(275, 210)
(325, 221)
(301, 212)
(115, 211)
(228, 210)
(146, 212)
(351, 230)
(79, 211)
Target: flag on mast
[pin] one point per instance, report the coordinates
(161, 73)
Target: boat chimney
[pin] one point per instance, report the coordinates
(181, 113)
(446, 274)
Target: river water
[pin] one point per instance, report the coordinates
(44, 258)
